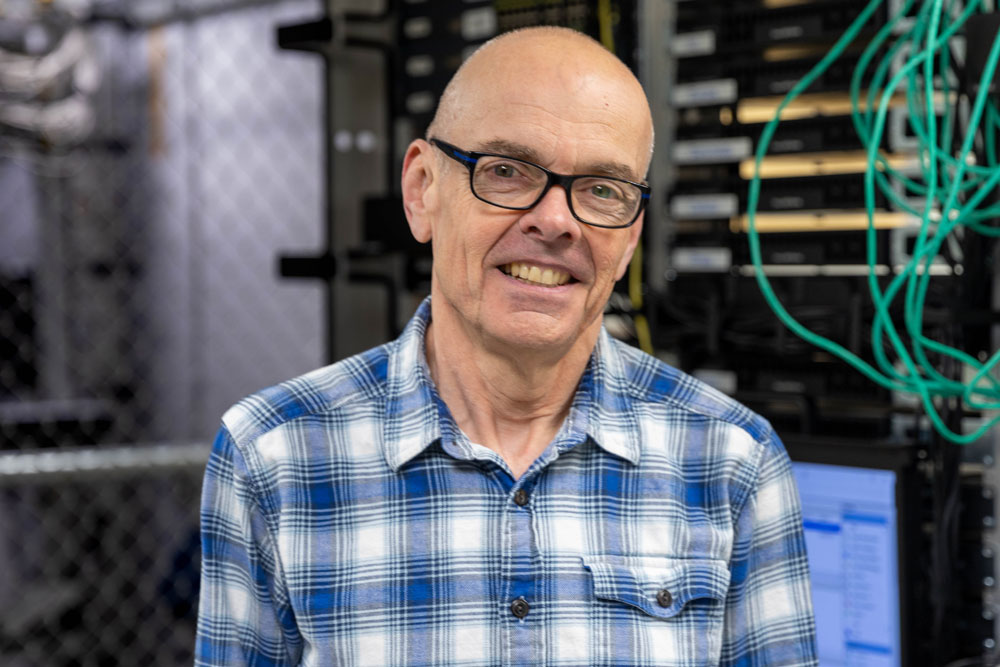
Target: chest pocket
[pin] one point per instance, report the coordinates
(660, 587)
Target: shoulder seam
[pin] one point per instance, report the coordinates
(312, 407)
(641, 394)
(264, 429)
(740, 503)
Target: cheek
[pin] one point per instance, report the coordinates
(460, 247)
(608, 253)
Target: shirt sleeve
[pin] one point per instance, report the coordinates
(769, 615)
(243, 614)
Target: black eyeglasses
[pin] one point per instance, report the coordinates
(507, 182)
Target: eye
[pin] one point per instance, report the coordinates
(602, 191)
(504, 170)
(605, 190)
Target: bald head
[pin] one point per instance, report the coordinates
(541, 68)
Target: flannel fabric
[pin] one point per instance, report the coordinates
(347, 520)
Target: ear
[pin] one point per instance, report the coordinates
(419, 189)
(634, 233)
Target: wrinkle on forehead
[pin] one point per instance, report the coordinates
(605, 142)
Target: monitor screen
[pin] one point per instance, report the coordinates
(851, 536)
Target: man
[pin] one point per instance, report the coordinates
(505, 483)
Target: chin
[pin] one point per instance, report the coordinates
(535, 336)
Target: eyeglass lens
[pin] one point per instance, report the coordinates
(510, 182)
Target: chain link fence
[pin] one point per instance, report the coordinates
(100, 556)
(155, 158)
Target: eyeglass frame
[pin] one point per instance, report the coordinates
(469, 159)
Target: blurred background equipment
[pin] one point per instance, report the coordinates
(200, 198)
(153, 155)
(825, 253)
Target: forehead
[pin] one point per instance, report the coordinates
(558, 135)
(529, 153)
(575, 111)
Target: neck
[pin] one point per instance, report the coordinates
(512, 401)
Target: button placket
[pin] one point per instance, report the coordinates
(521, 575)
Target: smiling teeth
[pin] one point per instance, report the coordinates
(533, 274)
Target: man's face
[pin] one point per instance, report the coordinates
(572, 120)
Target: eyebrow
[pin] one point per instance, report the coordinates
(528, 154)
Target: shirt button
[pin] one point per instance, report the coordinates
(521, 497)
(664, 598)
(520, 607)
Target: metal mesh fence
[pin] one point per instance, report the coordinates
(155, 158)
(100, 553)
(138, 247)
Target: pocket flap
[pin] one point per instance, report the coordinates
(639, 580)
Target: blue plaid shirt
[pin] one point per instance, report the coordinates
(347, 520)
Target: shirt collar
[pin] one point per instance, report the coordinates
(612, 420)
(416, 416)
(411, 411)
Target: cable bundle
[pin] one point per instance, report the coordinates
(953, 188)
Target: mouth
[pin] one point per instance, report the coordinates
(534, 275)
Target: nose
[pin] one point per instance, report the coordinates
(551, 220)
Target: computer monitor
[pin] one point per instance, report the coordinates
(856, 529)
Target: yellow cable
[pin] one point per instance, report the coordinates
(635, 296)
(605, 19)
(635, 277)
